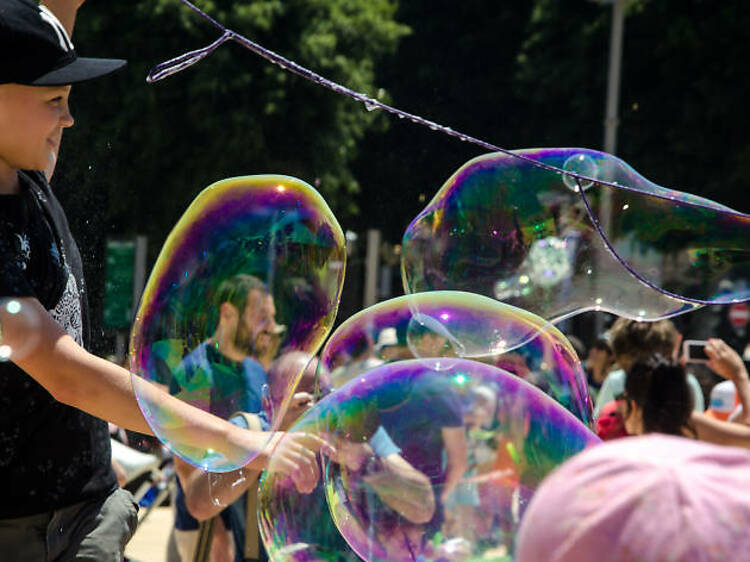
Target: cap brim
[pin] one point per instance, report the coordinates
(80, 70)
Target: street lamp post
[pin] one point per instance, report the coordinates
(611, 119)
(613, 80)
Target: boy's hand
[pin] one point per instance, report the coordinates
(725, 361)
(295, 454)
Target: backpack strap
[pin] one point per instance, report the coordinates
(205, 536)
(252, 534)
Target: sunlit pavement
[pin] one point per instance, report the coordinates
(149, 544)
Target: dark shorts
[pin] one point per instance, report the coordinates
(96, 530)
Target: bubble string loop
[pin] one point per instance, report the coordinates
(371, 104)
(175, 65)
(630, 268)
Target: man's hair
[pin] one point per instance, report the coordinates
(634, 339)
(236, 289)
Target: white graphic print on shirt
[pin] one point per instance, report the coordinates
(67, 313)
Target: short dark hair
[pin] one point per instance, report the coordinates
(236, 289)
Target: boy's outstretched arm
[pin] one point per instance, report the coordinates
(79, 379)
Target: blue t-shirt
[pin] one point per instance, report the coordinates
(235, 386)
(426, 406)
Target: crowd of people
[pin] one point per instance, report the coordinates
(671, 481)
(641, 379)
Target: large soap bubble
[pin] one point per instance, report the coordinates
(507, 228)
(255, 266)
(454, 324)
(432, 463)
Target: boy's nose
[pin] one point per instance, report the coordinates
(66, 119)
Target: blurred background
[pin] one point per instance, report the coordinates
(661, 84)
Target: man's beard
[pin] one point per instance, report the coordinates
(244, 340)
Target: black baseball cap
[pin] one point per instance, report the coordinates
(35, 49)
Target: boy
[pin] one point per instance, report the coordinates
(59, 497)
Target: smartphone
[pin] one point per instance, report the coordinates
(695, 351)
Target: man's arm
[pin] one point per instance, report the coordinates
(293, 454)
(396, 482)
(454, 441)
(403, 488)
(207, 494)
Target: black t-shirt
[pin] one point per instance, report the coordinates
(51, 455)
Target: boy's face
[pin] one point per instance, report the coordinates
(31, 122)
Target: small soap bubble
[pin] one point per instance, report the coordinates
(583, 165)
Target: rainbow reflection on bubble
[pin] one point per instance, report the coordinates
(432, 463)
(455, 324)
(254, 267)
(509, 229)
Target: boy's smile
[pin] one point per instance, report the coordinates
(32, 119)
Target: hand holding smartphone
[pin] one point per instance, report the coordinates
(694, 351)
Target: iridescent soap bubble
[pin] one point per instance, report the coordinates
(444, 326)
(254, 267)
(509, 229)
(19, 329)
(431, 464)
(583, 165)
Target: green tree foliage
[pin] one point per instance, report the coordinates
(456, 68)
(534, 74)
(683, 112)
(141, 152)
(153, 147)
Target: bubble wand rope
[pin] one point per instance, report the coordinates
(185, 60)
(177, 64)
